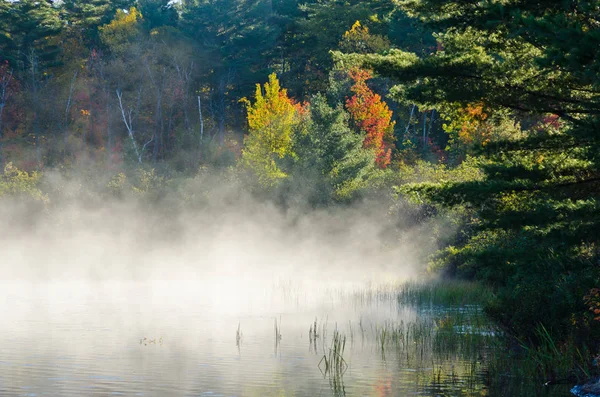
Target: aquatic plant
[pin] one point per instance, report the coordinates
(333, 363)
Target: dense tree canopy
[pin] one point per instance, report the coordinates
(492, 106)
(537, 220)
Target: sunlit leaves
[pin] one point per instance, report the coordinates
(372, 116)
(272, 118)
(15, 182)
(359, 40)
(121, 30)
(592, 300)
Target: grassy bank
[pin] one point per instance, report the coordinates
(513, 366)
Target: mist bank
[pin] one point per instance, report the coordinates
(205, 227)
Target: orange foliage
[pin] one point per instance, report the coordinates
(468, 125)
(473, 125)
(371, 115)
(592, 301)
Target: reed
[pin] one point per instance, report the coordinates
(333, 363)
(446, 292)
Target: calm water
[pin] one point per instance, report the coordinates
(219, 339)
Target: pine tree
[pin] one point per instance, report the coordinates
(535, 223)
(85, 16)
(31, 29)
(331, 162)
(320, 29)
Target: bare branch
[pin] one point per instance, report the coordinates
(129, 124)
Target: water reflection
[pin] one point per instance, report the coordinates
(229, 339)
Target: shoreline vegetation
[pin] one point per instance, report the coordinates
(465, 130)
(514, 364)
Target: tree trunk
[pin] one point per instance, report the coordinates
(431, 122)
(128, 121)
(4, 84)
(412, 111)
(109, 136)
(222, 112)
(157, 127)
(67, 111)
(36, 115)
(424, 129)
(201, 119)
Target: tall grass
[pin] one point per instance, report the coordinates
(513, 366)
(444, 292)
(333, 363)
(524, 365)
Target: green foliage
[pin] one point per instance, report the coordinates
(359, 40)
(331, 163)
(149, 183)
(28, 34)
(322, 25)
(117, 184)
(425, 172)
(121, 31)
(532, 224)
(21, 184)
(447, 293)
(235, 37)
(85, 16)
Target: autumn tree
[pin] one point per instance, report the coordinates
(318, 30)
(272, 119)
(359, 40)
(121, 31)
(534, 217)
(371, 116)
(86, 16)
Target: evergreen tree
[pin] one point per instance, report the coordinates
(320, 29)
(30, 31)
(85, 16)
(536, 216)
(5, 19)
(238, 35)
(331, 162)
(158, 13)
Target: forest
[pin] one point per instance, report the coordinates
(484, 114)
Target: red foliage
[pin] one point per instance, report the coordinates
(592, 300)
(371, 115)
(549, 121)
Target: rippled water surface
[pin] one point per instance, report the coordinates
(225, 339)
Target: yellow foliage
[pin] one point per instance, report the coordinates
(148, 182)
(124, 19)
(469, 125)
(14, 182)
(356, 29)
(359, 40)
(271, 121)
(122, 29)
(117, 183)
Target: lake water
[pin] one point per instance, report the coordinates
(227, 338)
